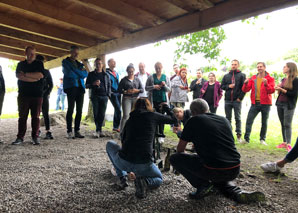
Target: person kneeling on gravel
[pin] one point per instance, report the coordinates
(136, 155)
(217, 161)
(277, 166)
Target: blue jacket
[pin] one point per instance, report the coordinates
(72, 75)
(114, 81)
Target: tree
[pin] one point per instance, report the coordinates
(12, 65)
(292, 55)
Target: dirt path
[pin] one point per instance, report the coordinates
(64, 175)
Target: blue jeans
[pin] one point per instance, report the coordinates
(149, 170)
(116, 102)
(252, 114)
(236, 105)
(99, 104)
(62, 99)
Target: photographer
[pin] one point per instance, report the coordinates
(136, 154)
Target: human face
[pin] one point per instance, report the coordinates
(234, 65)
(142, 68)
(261, 68)
(130, 71)
(199, 74)
(183, 74)
(74, 53)
(30, 55)
(176, 69)
(286, 69)
(158, 69)
(112, 64)
(179, 115)
(99, 65)
(211, 78)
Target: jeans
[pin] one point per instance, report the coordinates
(149, 171)
(99, 104)
(2, 94)
(60, 98)
(45, 112)
(127, 105)
(156, 106)
(192, 168)
(252, 114)
(34, 105)
(116, 102)
(236, 105)
(285, 117)
(75, 96)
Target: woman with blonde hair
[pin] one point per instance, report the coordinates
(286, 102)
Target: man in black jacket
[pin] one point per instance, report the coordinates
(47, 89)
(100, 84)
(196, 85)
(2, 93)
(232, 83)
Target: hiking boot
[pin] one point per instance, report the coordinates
(48, 136)
(141, 187)
(201, 192)
(123, 182)
(250, 197)
(270, 167)
(36, 141)
(263, 142)
(70, 135)
(78, 135)
(17, 141)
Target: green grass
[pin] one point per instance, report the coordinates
(12, 115)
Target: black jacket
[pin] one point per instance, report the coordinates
(2, 82)
(236, 92)
(196, 88)
(95, 90)
(126, 84)
(138, 135)
(292, 95)
(47, 83)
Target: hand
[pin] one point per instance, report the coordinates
(246, 80)
(265, 81)
(96, 83)
(203, 91)
(238, 100)
(198, 81)
(181, 87)
(157, 87)
(231, 86)
(163, 83)
(277, 88)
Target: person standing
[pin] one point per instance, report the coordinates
(176, 70)
(232, 83)
(2, 93)
(262, 87)
(74, 87)
(158, 85)
(196, 85)
(47, 89)
(60, 95)
(130, 87)
(179, 89)
(30, 74)
(100, 84)
(211, 92)
(143, 76)
(286, 103)
(115, 96)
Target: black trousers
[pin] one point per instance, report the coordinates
(45, 111)
(192, 168)
(156, 106)
(75, 97)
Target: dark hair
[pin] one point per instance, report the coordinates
(74, 47)
(144, 104)
(31, 47)
(129, 67)
(40, 58)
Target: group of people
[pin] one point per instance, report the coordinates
(150, 101)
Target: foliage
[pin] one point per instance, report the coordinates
(12, 65)
(292, 55)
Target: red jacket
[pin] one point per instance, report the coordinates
(266, 91)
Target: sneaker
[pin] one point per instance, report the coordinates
(282, 145)
(17, 141)
(113, 171)
(249, 197)
(239, 139)
(96, 134)
(116, 130)
(263, 142)
(102, 135)
(289, 147)
(36, 141)
(78, 135)
(161, 139)
(141, 187)
(48, 136)
(270, 167)
(123, 182)
(201, 192)
(244, 142)
(70, 135)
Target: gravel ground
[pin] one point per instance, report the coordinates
(64, 175)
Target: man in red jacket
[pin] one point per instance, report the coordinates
(261, 86)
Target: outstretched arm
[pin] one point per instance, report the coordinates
(181, 145)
